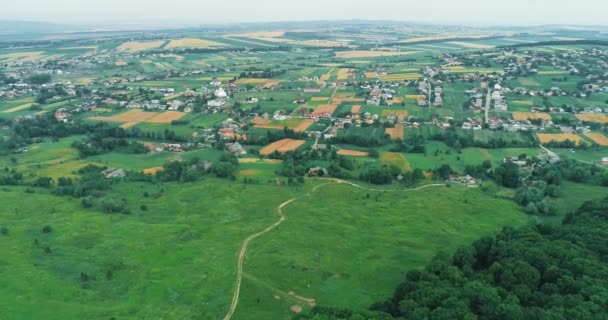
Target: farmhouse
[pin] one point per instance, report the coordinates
(216, 103)
(235, 148)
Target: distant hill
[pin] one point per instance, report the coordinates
(9, 27)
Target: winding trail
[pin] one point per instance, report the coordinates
(239, 274)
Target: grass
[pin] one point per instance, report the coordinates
(176, 260)
(347, 247)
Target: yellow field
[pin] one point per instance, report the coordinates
(271, 83)
(471, 45)
(396, 132)
(352, 153)
(398, 99)
(521, 116)
(593, 118)
(282, 146)
(338, 100)
(415, 96)
(371, 75)
(22, 56)
(252, 81)
(355, 109)
(343, 73)
(135, 115)
(174, 56)
(120, 62)
(167, 117)
(396, 159)
(324, 109)
(135, 46)
(319, 99)
(400, 77)
(558, 137)
(371, 54)
(396, 113)
(153, 171)
(19, 108)
(302, 126)
(193, 43)
(598, 138)
(102, 110)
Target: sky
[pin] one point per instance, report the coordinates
(473, 12)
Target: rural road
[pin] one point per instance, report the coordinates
(488, 103)
(241, 259)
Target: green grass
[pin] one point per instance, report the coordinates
(346, 249)
(177, 260)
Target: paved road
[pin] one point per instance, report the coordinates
(488, 103)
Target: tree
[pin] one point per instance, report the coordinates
(39, 79)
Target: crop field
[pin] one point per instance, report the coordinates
(22, 56)
(598, 138)
(600, 118)
(18, 108)
(352, 153)
(318, 99)
(371, 54)
(344, 74)
(297, 125)
(400, 77)
(371, 75)
(324, 109)
(192, 43)
(395, 113)
(136, 116)
(166, 117)
(396, 133)
(355, 109)
(521, 116)
(558, 137)
(281, 146)
(136, 46)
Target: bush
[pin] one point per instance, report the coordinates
(47, 229)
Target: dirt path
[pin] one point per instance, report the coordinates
(239, 274)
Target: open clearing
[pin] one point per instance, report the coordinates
(593, 118)
(396, 159)
(324, 110)
(352, 153)
(396, 132)
(598, 138)
(135, 46)
(522, 116)
(193, 43)
(153, 171)
(371, 54)
(558, 137)
(282, 146)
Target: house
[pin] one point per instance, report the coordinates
(226, 133)
(317, 172)
(604, 161)
(216, 103)
(112, 173)
(312, 90)
(235, 148)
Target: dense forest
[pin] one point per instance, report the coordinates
(532, 272)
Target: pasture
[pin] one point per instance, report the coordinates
(346, 247)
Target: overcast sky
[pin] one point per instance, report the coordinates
(229, 11)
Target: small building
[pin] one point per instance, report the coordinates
(312, 90)
(113, 173)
